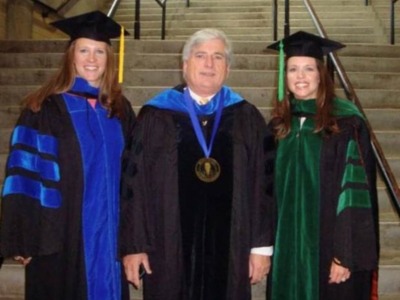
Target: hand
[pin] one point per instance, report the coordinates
(258, 267)
(24, 261)
(339, 274)
(132, 264)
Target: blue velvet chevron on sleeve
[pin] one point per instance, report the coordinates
(31, 163)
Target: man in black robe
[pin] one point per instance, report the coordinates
(197, 191)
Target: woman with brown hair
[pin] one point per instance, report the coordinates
(325, 246)
(60, 206)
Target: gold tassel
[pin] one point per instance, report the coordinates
(121, 56)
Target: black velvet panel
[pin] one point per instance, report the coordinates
(205, 210)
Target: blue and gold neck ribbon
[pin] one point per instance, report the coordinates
(196, 125)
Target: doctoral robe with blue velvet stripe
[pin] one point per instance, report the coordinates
(61, 197)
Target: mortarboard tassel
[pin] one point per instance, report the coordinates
(281, 73)
(121, 55)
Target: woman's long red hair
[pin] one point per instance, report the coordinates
(110, 90)
(281, 117)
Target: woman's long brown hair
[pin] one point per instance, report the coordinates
(110, 95)
(281, 117)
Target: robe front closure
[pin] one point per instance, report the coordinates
(297, 180)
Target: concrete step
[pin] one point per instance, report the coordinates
(219, 20)
(174, 61)
(5, 137)
(389, 140)
(384, 9)
(177, 15)
(237, 3)
(384, 122)
(183, 34)
(238, 78)
(195, 4)
(292, 2)
(387, 214)
(175, 46)
(182, 10)
(195, 17)
(394, 163)
(12, 281)
(389, 282)
(260, 96)
(219, 23)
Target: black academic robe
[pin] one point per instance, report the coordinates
(353, 236)
(43, 218)
(198, 235)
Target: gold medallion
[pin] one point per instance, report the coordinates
(207, 169)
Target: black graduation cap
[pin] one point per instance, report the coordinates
(303, 43)
(93, 25)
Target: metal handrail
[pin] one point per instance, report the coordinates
(275, 19)
(163, 5)
(392, 21)
(113, 8)
(286, 27)
(137, 20)
(187, 3)
(384, 168)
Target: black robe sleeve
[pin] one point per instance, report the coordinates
(137, 219)
(354, 228)
(32, 218)
(128, 121)
(262, 162)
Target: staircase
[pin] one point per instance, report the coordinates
(152, 65)
(382, 10)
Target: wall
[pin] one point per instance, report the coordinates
(41, 28)
(78, 6)
(88, 5)
(2, 19)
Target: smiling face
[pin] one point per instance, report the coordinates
(90, 59)
(206, 68)
(302, 77)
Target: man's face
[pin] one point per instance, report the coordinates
(206, 68)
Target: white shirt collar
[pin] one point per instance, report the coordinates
(199, 100)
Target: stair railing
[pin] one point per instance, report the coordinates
(113, 8)
(392, 21)
(187, 3)
(384, 168)
(48, 9)
(163, 5)
(275, 19)
(286, 27)
(136, 26)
